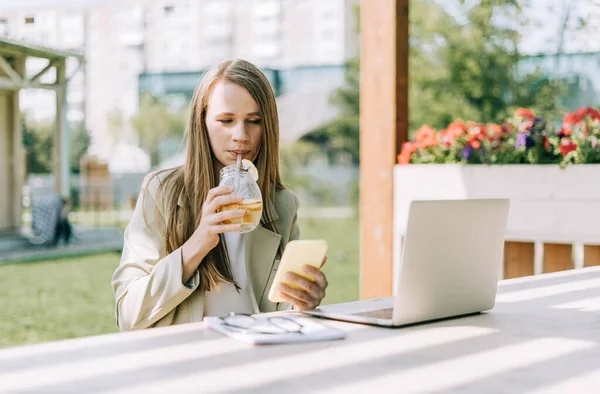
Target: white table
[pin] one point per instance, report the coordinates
(543, 336)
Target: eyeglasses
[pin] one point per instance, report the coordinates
(263, 325)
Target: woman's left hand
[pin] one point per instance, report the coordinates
(310, 292)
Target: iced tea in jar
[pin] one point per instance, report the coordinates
(244, 183)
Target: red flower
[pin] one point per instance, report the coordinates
(526, 126)
(477, 133)
(408, 148)
(425, 137)
(574, 117)
(578, 118)
(592, 113)
(456, 129)
(566, 146)
(446, 138)
(546, 143)
(475, 143)
(566, 131)
(494, 131)
(525, 113)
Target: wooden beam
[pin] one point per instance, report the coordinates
(383, 129)
(7, 68)
(9, 84)
(48, 86)
(43, 71)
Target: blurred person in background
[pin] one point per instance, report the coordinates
(180, 260)
(50, 220)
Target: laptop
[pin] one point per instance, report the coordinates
(449, 266)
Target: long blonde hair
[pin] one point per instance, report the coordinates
(191, 182)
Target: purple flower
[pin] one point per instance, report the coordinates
(467, 152)
(594, 142)
(524, 140)
(521, 140)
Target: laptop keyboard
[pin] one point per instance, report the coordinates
(379, 314)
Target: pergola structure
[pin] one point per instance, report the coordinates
(383, 129)
(13, 78)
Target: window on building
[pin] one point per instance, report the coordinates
(29, 20)
(4, 30)
(328, 34)
(169, 9)
(329, 14)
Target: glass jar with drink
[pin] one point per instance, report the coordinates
(242, 178)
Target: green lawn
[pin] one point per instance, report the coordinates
(70, 298)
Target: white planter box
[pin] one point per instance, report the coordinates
(548, 204)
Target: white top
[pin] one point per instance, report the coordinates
(540, 338)
(219, 302)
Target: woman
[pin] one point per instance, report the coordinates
(180, 262)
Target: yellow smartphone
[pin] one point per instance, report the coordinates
(297, 253)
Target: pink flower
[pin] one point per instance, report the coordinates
(525, 113)
(426, 137)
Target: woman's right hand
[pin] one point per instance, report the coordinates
(206, 236)
(211, 223)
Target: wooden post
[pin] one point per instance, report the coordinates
(518, 259)
(18, 149)
(383, 129)
(61, 134)
(558, 257)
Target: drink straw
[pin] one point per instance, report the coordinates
(238, 165)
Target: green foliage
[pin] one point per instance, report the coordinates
(294, 156)
(342, 134)
(470, 70)
(155, 122)
(38, 141)
(337, 137)
(458, 69)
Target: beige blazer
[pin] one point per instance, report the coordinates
(148, 288)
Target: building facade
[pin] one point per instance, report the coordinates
(122, 39)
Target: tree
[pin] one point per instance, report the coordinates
(342, 134)
(478, 63)
(155, 122)
(459, 67)
(38, 141)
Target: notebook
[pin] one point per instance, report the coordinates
(263, 332)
